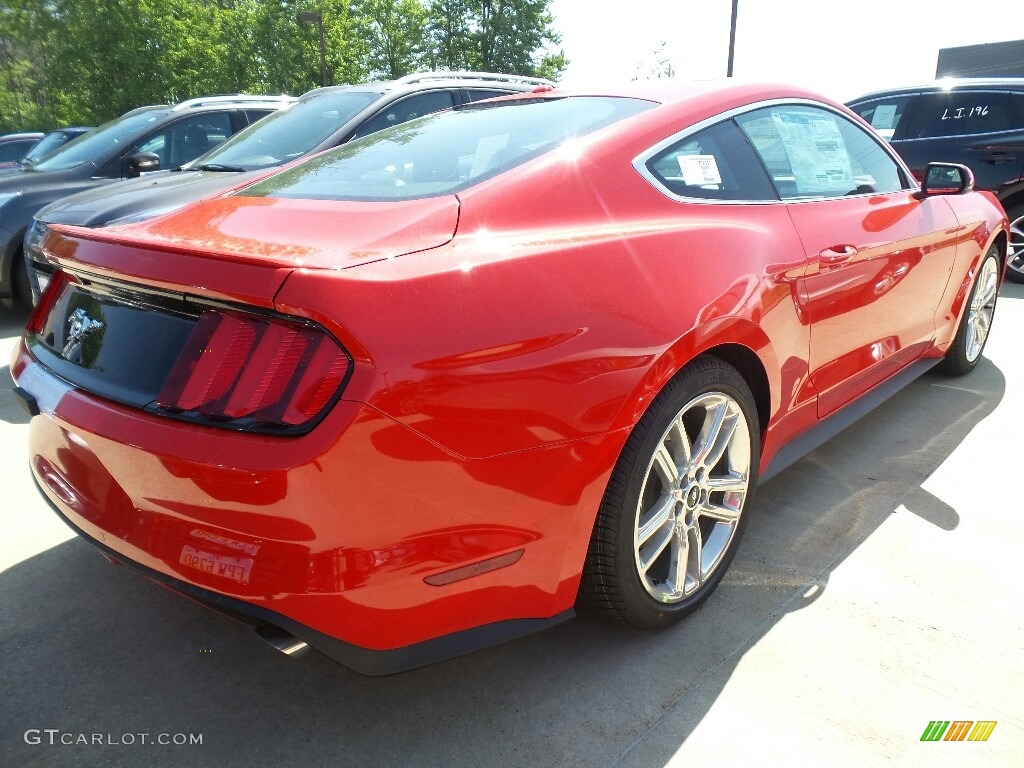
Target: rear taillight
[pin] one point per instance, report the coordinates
(54, 290)
(254, 372)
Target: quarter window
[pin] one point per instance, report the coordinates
(716, 163)
(884, 115)
(813, 153)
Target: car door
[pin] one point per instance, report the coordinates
(184, 139)
(878, 258)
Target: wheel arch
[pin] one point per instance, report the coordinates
(752, 369)
(737, 341)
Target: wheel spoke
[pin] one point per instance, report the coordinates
(727, 484)
(987, 295)
(680, 563)
(720, 512)
(680, 442)
(662, 513)
(695, 555)
(666, 467)
(718, 430)
(647, 556)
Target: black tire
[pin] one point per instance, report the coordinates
(973, 331)
(614, 579)
(1015, 252)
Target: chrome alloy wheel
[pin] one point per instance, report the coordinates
(1015, 258)
(692, 497)
(983, 306)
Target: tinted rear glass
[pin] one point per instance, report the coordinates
(447, 151)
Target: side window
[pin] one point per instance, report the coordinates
(187, 139)
(716, 163)
(477, 94)
(812, 153)
(252, 115)
(14, 150)
(884, 114)
(963, 113)
(406, 109)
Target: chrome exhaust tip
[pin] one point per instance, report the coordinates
(283, 641)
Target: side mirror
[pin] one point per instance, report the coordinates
(143, 162)
(946, 179)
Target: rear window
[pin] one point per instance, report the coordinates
(963, 113)
(447, 151)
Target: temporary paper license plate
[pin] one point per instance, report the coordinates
(234, 568)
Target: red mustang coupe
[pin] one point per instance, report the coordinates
(416, 395)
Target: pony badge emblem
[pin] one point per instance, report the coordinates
(80, 325)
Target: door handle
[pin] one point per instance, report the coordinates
(996, 158)
(837, 254)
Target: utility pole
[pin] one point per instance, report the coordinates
(317, 17)
(732, 37)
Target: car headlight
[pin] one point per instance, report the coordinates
(36, 232)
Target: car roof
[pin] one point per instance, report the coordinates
(672, 91)
(20, 136)
(950, 84)
(215, 102)
(420, 81)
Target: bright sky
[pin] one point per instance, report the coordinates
(842, 50)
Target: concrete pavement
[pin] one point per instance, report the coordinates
(877, 589)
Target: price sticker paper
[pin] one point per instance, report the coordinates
(699, 170)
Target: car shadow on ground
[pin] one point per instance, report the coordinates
(93, 648)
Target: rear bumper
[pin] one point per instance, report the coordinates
(345, 537)
(362, 660)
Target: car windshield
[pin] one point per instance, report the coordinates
(49, 143)
(448, 151)
(96, 144)
(288, 133)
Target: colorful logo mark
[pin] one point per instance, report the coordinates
(958, 730)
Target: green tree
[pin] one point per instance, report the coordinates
(512, 36)
(396, 35)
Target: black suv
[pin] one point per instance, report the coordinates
(141, 140)
(977, 122)
(321, 119)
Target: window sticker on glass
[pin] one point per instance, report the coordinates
(884, 117)
(816, 152)
(699, 170)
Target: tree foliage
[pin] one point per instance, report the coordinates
(64, 62)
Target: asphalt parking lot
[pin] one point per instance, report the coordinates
(878, 588)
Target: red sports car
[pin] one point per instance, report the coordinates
(417, 395)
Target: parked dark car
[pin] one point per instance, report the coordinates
(144, 139)
(14, 146)
(322, 118)
(50, 142)
(977, 122)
